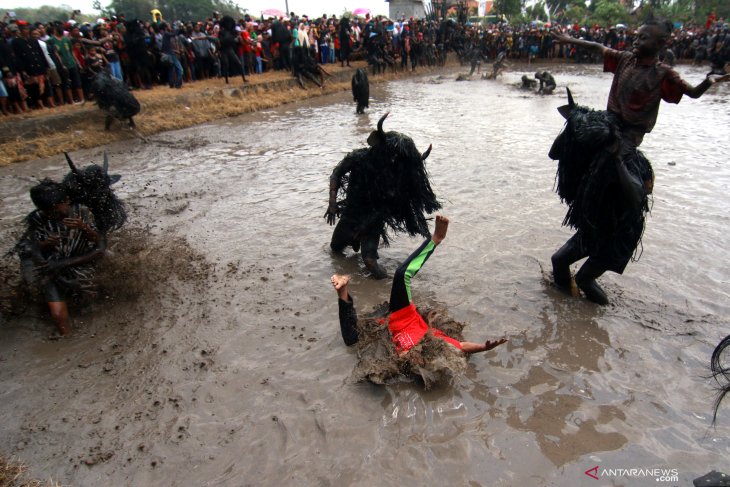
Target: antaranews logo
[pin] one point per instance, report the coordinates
(659, 474)
(592, 472)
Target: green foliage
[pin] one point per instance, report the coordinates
(704, 7)
(175, 9)
(610, 12)
(509, 8)
(676, 11)
(46, 13)
(576, 13)
(133, 9)
(536, 12)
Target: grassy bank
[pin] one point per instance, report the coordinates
(12, 474)
(44, 133)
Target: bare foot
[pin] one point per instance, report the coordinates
(439, 233)
(339, 282)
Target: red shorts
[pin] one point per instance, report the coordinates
(407, 328)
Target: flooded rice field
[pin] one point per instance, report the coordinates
(213, 356)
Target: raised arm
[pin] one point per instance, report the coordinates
(590, 45)
(347, 312)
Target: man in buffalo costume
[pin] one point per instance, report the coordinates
(384, 186)
(602, 176)
(67, 234)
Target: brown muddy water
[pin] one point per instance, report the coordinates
(212, 355)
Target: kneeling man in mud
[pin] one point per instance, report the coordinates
(407, 327)
(58, 248)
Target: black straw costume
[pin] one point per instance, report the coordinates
(360, 90)
(93, 202)
(113, 96)
(383, 187)
(228, 38)
(600, 177)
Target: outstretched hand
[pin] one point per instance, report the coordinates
(491, 344)
(718, 78)
(561, 38)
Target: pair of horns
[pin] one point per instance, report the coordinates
(75, 170)
(382, 134)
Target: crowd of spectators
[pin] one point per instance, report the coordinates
(45, 65)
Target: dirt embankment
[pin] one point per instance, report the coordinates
(44, 133)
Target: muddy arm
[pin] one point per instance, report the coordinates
(699, 90)
(348, 321)
(633, 189)
(344, 167)
(590, 45)
(96, 253)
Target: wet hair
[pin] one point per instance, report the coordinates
(665, 26)
(721, 374)
(47, 194)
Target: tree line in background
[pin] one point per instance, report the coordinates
(611, 12)
(171, 10)
(603, 12)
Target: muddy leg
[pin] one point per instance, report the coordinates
(342, 236)
(586, 281)
(59, 312)
(370, 256)
(568, 254)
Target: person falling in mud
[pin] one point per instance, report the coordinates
(407, 327)
(609, 216)
(385, 186)
(58, 248)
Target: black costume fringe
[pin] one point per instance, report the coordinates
(389, 188)
(587, 150)
(91, 187)
(721, 373)
(113, 96)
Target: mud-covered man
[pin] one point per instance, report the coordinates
(640, 82)
(547, 82)
(58, 248)
(385, 187)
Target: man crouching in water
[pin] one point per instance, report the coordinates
(407, 327)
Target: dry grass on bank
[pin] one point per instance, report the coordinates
(12, 475)
(166, 114)
(166, 109)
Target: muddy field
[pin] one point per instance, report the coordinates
(212, 355)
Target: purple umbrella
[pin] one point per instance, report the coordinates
(361, 11)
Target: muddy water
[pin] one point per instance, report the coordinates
(227, 368)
